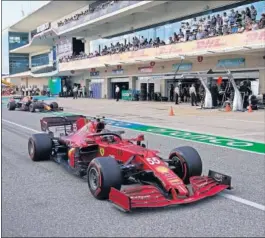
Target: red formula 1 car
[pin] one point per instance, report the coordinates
(109, 161)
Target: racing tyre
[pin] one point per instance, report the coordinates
(40, 147)
(187, 162)
(54, 105)
(32, 107)
(11, 106)
(102, 174)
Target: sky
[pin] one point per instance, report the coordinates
(12, 12)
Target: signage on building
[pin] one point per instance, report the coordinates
(182, 67)
(43, 27)
(145, 69)
(64, 47)
(117, 71)
(94, 74)
(236, 62)
(96, 81)
(126, 95)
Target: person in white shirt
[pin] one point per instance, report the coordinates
(193, 95)
(64, 91)
(117, 93)
(90, 91)
(176, 91)
(84, 91)
(225, 20)
(75, 90)
(194, 24)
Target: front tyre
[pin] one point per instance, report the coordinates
(103, 173)
(40, 147)
(187, 162)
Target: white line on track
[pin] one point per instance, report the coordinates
(225, 195)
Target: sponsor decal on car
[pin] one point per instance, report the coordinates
(162, 169)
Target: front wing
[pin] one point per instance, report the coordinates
(149, 196)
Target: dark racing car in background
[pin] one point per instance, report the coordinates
(28, 103)
(110, 161)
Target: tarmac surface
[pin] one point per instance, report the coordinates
(43, 199)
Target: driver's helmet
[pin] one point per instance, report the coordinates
(100, 126)
(108, 138)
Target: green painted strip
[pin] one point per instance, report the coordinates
(207, 139)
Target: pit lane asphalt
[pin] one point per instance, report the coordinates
(43, 199)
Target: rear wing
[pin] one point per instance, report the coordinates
(47, 122)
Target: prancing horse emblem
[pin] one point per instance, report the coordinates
(101, 151)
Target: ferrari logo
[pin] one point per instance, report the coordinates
(162, 169)
(101, 151)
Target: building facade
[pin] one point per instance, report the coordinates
(140, 45)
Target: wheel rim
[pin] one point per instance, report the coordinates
(31, 148)
(179, 168)
(93, 179)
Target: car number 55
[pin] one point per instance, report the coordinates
(153, 160)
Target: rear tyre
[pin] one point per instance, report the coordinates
(32, 107)
(11, 106)
(40, 147)
(102, 174)
(187, 162)
(54, 105)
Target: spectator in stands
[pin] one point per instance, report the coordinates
(238, 18)
(170, 40)
(213, 21)
(219, 22)
(241, 29)
(192, 36)
(209, 26)
(194, 24)
(232, 17)
(176, 37)
(248, 12)
(255, 26)
(262, 21)
(253, 12)
(199, 35)
(181, 36)
(225, 20)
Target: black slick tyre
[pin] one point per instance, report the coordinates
(188, 162)
(102, 174)
(40, 147)
(11, 106)
(54, 105)
(32, 107)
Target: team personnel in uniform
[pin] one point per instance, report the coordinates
(193, 95)
(176, 90)
(117, 93)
